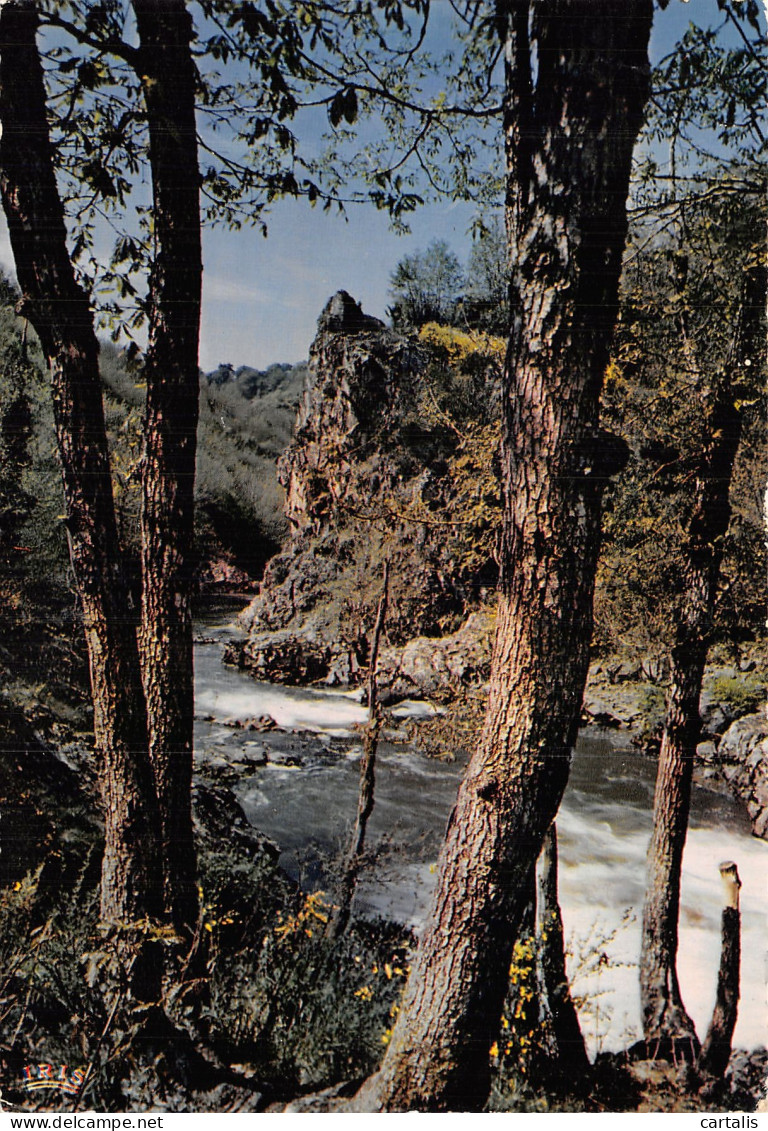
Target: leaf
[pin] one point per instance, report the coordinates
(336, 108)
(99, 178)
(350, 105)
(87, 74)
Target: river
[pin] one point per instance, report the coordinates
(304, 797)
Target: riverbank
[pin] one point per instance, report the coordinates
(622, 698)
(290, 757)
(275, 792)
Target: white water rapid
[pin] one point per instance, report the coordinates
(304, 798)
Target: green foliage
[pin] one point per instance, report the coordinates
(296, 1010)
(246, 420)
(426, 287)
(431, 286)
(263, 72)
(306, 1012)
(245, 424)
(681, 308)
(737, 695)
(698, 221)
(528, 1073)
(460, 391)
(706, 116)
(37, 606)
(486, 299)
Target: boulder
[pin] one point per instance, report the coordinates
(438, 667)
(742, 758)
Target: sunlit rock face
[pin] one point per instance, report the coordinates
(366, 465)
(358, 373)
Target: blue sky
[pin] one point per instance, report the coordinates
(262, 296)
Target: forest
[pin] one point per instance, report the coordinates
(338, 696)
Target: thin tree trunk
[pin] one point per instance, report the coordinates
(568, 162)
(569, 1049)
(366, 795)
(525, 1053)
(716, 1050)
(666, 1024)
(167, 72)
(57, 307)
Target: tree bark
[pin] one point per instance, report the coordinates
(666, 1023)
(569, 145)
(716, 1050)
(569, 1050)
(167, 73)
(58, 308)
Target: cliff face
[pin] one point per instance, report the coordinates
(366, 469)
(358, 372)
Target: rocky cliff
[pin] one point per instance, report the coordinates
(369, 476)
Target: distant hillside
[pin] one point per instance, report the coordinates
(278, 378)
(246, 422)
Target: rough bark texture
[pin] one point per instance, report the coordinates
(665, 1021)
(171, 369)
(716, 1050)
(58, 308)
(569, 145)
(569, 1050)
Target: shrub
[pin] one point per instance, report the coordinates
(737, 695)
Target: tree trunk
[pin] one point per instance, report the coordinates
(525, 1052)
(57, 307)
(569, 152)
(666, 1023)
(168, 78)
(716, 1050)
(366, 794)
(569, 1050)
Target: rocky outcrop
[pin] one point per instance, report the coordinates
(366, 480)
(357, 370)
(438, 667)
(742, 759)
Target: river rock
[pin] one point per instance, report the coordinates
(219, 819)
(742, 758)
(294, 656)
(436, 667)
(251, 754)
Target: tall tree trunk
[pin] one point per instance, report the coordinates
(665, 1021)
(569, 147)
(172, 375)
(57, 307)
(569, 1050)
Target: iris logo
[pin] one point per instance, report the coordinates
(54, 1078)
